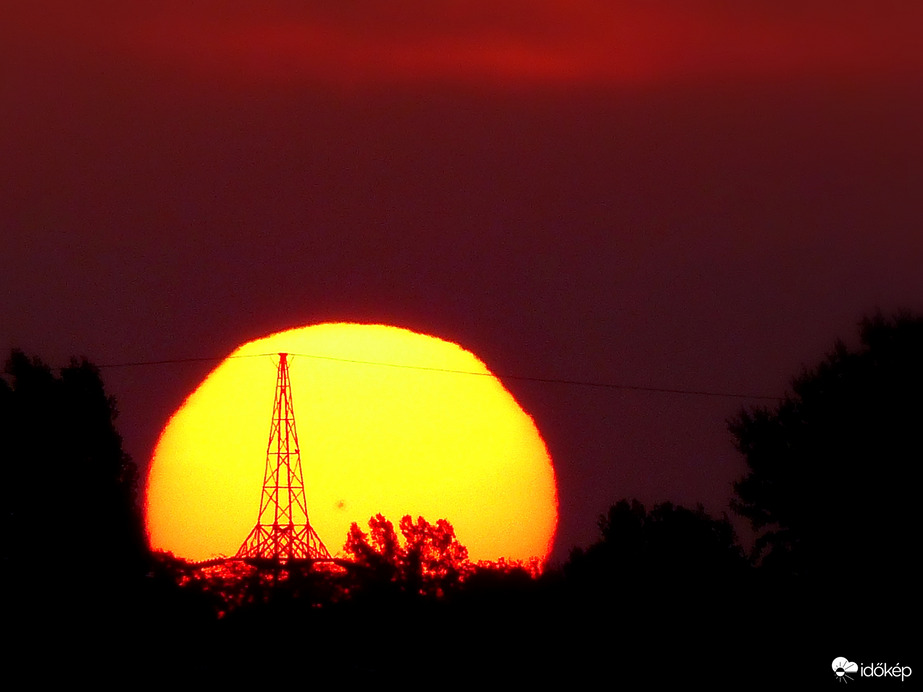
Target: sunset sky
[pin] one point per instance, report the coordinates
(675, 194)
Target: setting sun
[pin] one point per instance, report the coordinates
(390, 422)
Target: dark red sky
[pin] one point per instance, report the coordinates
(693, 195)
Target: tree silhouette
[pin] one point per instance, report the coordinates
(659, 594)
(670, 551)
(429, 561)
(433, 554)
(830, 488)
(69, 491)
(74, 554)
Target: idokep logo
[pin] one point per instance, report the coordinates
(845, 670)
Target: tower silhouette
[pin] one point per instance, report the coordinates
(283, 531)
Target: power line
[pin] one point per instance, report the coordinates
(173, 361)
(548, 380)
(522, 378)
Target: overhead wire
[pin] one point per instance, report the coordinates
(522, 378)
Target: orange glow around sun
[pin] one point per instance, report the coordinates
(396, 439)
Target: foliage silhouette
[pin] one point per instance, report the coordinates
(671, 555)
(830, 486)
(69, 490)
(428, 562)
(74, 553)
(656, 597)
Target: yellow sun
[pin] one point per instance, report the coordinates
(388, 423)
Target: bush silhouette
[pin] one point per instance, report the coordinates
(830, 488)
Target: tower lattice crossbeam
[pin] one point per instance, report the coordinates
(283, 531)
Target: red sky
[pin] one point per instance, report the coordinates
(515, 42)
(694, 195)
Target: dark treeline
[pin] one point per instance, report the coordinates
(665, 595)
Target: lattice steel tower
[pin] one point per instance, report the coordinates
(283, 531)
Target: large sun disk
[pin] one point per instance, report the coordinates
(389, 422)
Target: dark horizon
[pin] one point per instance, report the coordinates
(832, 574)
